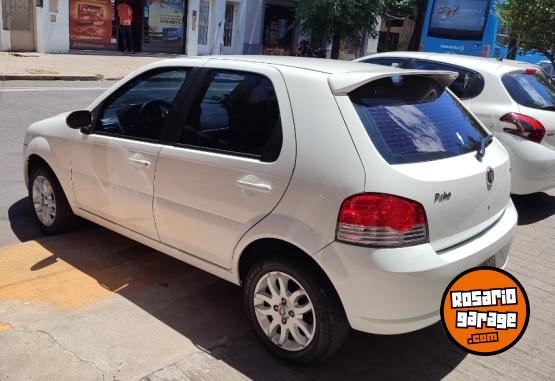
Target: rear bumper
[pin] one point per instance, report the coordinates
(532, 167)
(390, 291)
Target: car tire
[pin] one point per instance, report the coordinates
(51, 209)
(310, 313)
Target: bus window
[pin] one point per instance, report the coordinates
(467, 85)
(458, 19)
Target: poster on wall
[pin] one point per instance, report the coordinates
(164, 19)
(90, 23)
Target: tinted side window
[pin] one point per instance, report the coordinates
(139, 111)
(530, 90)
(393, 62)
(467, 85)
(238, 113)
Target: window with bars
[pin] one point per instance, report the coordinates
(204, 16)
(228, 25)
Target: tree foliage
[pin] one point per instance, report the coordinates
(339, 19)
(531, 23)
(401, 8)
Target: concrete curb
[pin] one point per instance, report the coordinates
(50, 77)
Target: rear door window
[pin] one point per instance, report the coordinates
(413, 119)
(530, 90)
(238, 114)
(467, 85)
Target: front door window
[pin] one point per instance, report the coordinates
(140, 111)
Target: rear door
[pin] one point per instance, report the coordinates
(231, 161)
(418, 141)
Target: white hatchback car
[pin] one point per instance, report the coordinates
(336, 193)
(514, 100)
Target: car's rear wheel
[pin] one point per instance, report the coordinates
(294, 312)
(51, 208)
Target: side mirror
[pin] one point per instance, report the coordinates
(81, 119)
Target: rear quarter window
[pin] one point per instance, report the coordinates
(530, 90)
(413, 119)
(468, 84)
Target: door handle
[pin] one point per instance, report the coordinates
(141, 162)
(254, 183)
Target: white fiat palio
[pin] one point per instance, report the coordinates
(337, 194)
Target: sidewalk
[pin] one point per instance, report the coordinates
(80, 66)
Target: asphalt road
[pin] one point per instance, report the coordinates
(94, 305)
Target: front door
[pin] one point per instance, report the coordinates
(231, 164)
(20, 20)
(113, 167)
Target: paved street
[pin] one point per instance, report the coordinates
(94, 305)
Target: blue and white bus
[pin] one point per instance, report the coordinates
(469, 27)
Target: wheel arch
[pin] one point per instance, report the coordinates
(266, 247)
(35, 160)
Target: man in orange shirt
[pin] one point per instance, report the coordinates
(125, 14)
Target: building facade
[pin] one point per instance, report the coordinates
(189, 27)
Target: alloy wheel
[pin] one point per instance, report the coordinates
(284, 311)
(44, 201)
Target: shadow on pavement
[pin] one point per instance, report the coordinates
(208, 311)
(534, 207)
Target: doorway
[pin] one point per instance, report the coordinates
(21, 20)
(230, 32)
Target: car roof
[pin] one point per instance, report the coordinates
(321, 65)
(471, 62)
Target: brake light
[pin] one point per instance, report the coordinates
(524, 126)
(531, 70)
(377, 219)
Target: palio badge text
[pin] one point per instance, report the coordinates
(485, 311)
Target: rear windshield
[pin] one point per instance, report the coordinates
(530, 90)
(413, 119)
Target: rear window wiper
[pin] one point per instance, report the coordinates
(550, 107)
(483, 144)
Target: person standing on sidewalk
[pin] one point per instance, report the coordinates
(125, 14)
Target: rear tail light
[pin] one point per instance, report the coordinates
(383, 220)
(524, 126)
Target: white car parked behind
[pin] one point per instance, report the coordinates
(337, 194)
(514, 100)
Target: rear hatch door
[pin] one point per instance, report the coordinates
(418, 141)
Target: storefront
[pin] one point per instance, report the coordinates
(279, 29)
(271, 27)
(157, 26)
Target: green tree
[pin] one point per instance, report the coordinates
(339, 19)
(531, 25)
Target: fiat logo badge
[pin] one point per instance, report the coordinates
(490, 176)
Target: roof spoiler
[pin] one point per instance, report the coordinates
(344, 83)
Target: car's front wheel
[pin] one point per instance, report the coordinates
(52, 211)
(294, 312)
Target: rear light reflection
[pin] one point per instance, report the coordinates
(524, 126)
(383, 220)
